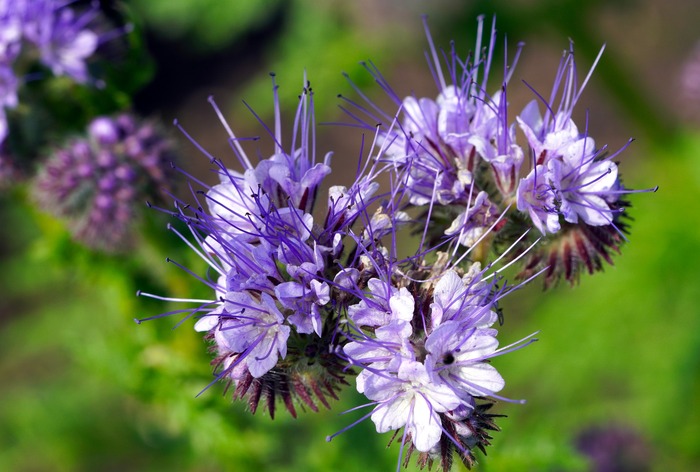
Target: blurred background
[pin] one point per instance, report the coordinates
(613, 383)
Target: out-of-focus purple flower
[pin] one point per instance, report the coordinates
(62, 36)
(689, 84)
(98, 183)
(615, 448)
(10, 41)
(12, 13)
(56, 33)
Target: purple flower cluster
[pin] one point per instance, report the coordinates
(424, 349)
(301, 299)
(570, 178)
(273, 321)
(461, 158)
(98, 183)
(50, 31)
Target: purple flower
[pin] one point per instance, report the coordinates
(537, 197)
(273, 317)
(295, 176)
(586, 186)
(232, 202)
(437, 145)
(383, 305)
(569, 178)
(418, 367)
(253, 328)
(464, 299)
(53, 32)
(346, 205)
(457, 353)
(547, 136)
(61, 36)
(411, 400)
(97, 183)
(473, 222)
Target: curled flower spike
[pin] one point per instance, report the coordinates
(458, 156)
(573, 191)
(570, 178)
(274, 319)
(456, 147)
(424, 341)
(97, 183)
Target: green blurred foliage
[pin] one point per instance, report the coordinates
(294, 37)
(204, 25)
(320, 42)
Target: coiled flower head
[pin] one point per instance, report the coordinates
(463, 166)
(573, 193)
(273, 320)
(423, 335)
(458, 150)
(97, 184)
